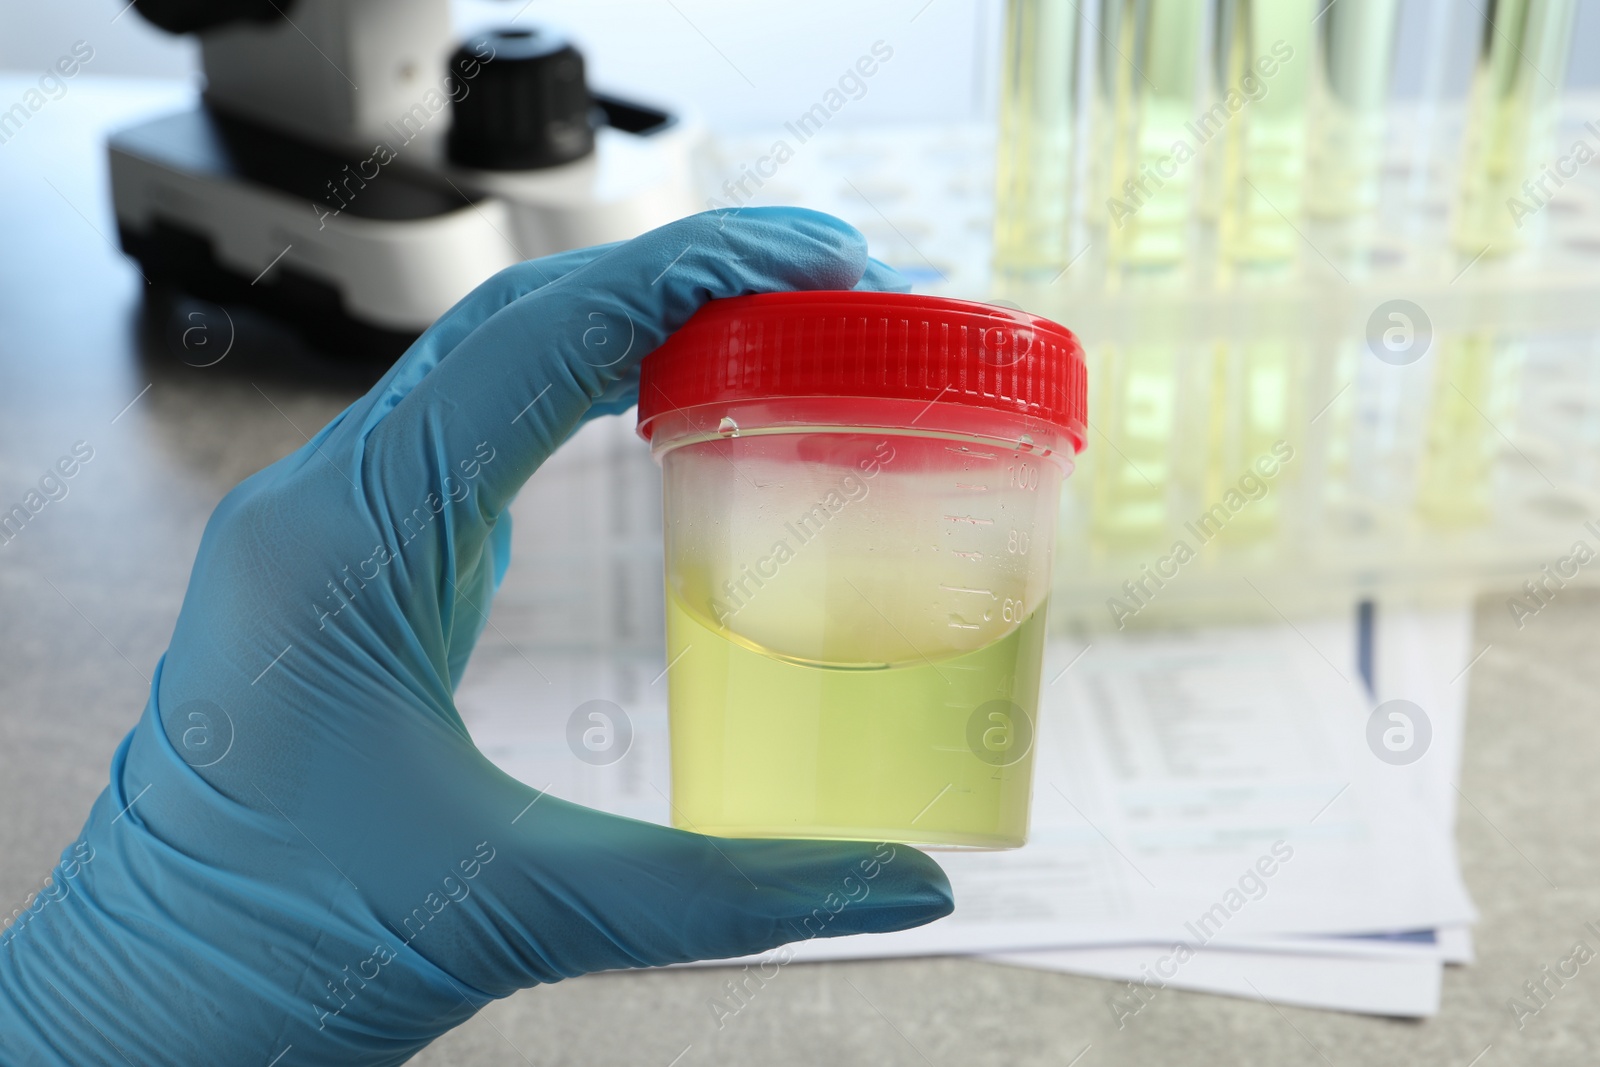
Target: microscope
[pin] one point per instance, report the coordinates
(351, 171)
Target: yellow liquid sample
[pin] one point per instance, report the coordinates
(1035, 168)
(1137, 402)
(1149, 52)
(1474, 393)
(1261, 156)
(766, 747)
(1511, 116)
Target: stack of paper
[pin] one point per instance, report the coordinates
(1208, 812)
(1221, 748)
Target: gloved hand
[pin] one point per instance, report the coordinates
(300, 852)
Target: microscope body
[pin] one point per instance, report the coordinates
(355, 172)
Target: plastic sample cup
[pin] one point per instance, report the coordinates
(860, 501)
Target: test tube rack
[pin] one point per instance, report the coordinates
(1464, 458)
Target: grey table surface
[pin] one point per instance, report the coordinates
(89, 593)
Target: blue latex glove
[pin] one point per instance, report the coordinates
(300, 845)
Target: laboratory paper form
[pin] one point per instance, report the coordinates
(1420, 657)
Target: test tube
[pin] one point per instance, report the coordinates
(1511, 114)
(1035, 161)
(1352, 59)
(1253, 405)
(1474, 396)
(1146, 88)
(1134, 405)
(1143, 173)
(1255, 127)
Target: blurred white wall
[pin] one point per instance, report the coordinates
(739, 64)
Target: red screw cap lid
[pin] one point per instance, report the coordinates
(843, 343)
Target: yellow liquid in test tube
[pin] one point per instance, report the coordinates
(1036, 160)
(1515, 98)
(764, 746)
(1146, 93)
(1258, 160)
(1473, 395)
(1135, 403)
(1251, 412)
